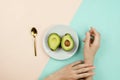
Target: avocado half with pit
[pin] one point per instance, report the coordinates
(67, 42)
(54, 41)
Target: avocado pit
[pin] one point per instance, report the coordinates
(67, 43)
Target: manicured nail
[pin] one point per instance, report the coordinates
(93, 67)
(90, 27)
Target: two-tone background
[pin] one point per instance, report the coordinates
(17, 60)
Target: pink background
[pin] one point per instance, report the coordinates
(17, 60)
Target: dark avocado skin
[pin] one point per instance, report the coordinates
(67, 34)
(57, 44)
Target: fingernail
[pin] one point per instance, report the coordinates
(93, 67)
(90, 27)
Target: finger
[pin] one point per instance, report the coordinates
(94, 31)
(90, 30)
(96, 37)
(84, 75)
(87, 39)
(81, 66)
(83, 70)
(76, 63)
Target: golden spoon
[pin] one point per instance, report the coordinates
(34, 33)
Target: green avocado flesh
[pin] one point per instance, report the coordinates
(67, 42)
(54, 41)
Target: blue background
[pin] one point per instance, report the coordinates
(104, 15)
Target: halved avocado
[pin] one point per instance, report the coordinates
(54, 41)
(67, 42)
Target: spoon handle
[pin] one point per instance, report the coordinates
(35, 46)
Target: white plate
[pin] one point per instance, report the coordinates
(60, 54)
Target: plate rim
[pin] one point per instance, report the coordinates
(46, 52)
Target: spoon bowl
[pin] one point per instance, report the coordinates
(34, 32)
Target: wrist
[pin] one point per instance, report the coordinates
(89, 60)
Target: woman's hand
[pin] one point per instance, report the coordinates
(92, 43)
(73, 71)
